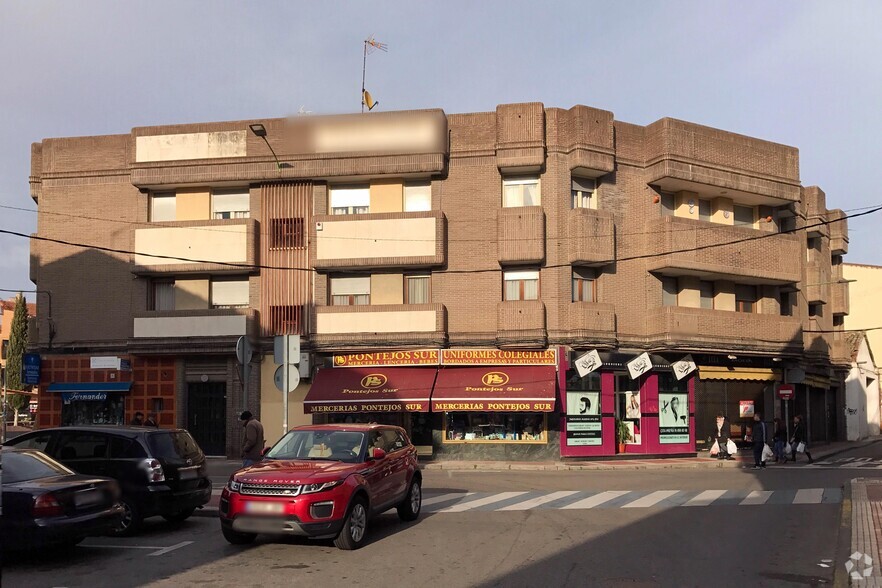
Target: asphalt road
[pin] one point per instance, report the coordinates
(717, 527)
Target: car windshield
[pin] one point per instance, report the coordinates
(345, 446)
(30, 465)
(173, 444)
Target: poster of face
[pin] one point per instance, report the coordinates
(673, 417)
(632, 405)
(583, 403)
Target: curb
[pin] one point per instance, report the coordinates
(843, 542)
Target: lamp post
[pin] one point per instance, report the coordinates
(260, 131)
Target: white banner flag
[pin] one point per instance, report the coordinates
(588, 363)
(639, 365)
(684, 367)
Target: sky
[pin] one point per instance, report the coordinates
(802, 73)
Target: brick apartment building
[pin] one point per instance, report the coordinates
(490, 250)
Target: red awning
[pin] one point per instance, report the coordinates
(375, 389)
(498, 388)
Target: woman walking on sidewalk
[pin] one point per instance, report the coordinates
(779, 438)
(759, 441)
(799, 438)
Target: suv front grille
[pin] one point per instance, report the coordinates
(270, 489)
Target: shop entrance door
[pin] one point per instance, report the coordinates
(628, 406)
(207, 415)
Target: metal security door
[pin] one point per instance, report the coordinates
(207, 415)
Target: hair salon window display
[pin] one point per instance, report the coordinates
(584, 424)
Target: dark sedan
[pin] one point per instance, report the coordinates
(45, 503)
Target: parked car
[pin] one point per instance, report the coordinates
(46, 504)
(160, 471)
(324, 481)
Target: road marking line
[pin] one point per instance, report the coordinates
(809, 496)
(705, 498)
(534, 502)
(651, 499)
(596, 500)
(154, 547)
(463, 506)
(756, 497)
(165, 550)
(445, 497)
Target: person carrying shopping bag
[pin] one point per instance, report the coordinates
(799, 440)
(759, 442)
(721, 434)
(779, 440)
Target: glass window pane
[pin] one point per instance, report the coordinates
(418, 290)
(704, 210)
(229, 293)
(744, 216)
(512, 197)
(163, 207)
(163, 296)
(667, 204)
(346, 199)
(512, 290)
(531, 195)
(531, 289)
(417, 197)
(232, 203)
(362, 299)
(707, 294)
(670, 290)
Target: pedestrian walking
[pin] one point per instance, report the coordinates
(779, 439)
(138, 421)
(151, 420)
(759, 441)
(252, 440)
(799, 440)
(722, 431)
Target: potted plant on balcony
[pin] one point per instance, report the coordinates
(623, 434)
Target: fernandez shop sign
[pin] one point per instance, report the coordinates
(447, 357)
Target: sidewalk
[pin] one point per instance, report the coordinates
(221, 469)
(866, 535)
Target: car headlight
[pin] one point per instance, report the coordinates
(234, 485)
(312, 488)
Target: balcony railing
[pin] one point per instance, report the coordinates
(338, 327)
(586, 323)
(591, 236)
(521, 235)
(521, 323)
(178, 324)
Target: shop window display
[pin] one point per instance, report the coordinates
(628, 406)
(497, 427)
(108, 411)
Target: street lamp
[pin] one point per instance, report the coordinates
(260, 131)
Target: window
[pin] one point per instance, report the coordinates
(836, 260)
(584, 285)
(816, 311)
(350, 199)
(838, 320)
(163, 207)
(162, 295)
(704, 210)
(706, 292)
(521, 285)
(417, 196)
(814, 246)
(583, 193)
(286, 233)
(670, 289)
(786, 224)
(417, 289)
(354, 291)
(285, 320)
(497, 427)
(232, 203)
(788, 303)
(745, 298)
(668, 203)
(744, 216)
(40, 442)
(82, 446)
(520, 192)
(229, 293)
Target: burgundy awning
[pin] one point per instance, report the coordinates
(497, 388)
(374, 389)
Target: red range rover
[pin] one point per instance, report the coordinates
(324, 481)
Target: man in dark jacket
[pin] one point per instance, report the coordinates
(252, 441)
(759, 441)
(721, 434)
(799, 436)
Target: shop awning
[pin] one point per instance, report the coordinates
(372, 389)
(715, 372)
(95, 392)
(503, 388)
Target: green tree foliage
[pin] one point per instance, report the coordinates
(18, 342)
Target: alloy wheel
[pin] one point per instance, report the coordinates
(415, 498)
(357, 522)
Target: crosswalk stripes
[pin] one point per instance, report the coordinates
(458, 502)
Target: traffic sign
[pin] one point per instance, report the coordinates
(293, 344)
(785, 392)
(279, 379)
(243, 350)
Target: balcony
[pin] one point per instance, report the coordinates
(686, 156)
(521, 235)
(591, 237)
(392, 239)
(520, 137)
(521, 323)
(838, 232)
(840, 350)
(211, 244)
(584, 323)
(721, 252)
(342, 327)
(187, 324)
(817, 282)
(698, 328)
(839, 298)
(585, 135)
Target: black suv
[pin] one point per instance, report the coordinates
(160, 471)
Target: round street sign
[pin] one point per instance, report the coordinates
(293, 378)
(244, 352)
(785, 392)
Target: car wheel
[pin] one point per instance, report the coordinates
(131, 519)
(355, 528)
(237, 538)
(409, 509)
(180, 516)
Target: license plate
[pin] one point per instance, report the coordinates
(265, 507)
(188, 474)
(88, 498)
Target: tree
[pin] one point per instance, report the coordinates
(18, 342)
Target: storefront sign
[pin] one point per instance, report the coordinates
(588, 363)
(639, 365)
(30, 373)
(746, 409)
(370, 390)
(497, 357)
(785, 391)
(105, 363)
(68, 397)
(684, 367)
(673, 417)
(584, 424)
(510, 389)
(383, 358)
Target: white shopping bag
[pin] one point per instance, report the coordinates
(715, 448)
(800, 448)
(767, 452)
(731, 447)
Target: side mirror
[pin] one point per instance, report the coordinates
(378, 453)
